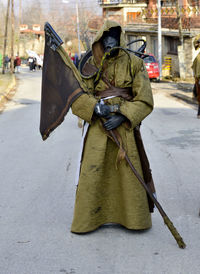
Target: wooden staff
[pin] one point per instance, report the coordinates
(166, 219)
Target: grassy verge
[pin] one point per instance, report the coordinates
(7, 85)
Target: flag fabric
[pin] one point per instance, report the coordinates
(61, 86)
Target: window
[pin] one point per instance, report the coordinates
(168, 3)
(154, 46)
(150, 59)
(194, 3)
(172, 45)
(132, 16)
(135, 46)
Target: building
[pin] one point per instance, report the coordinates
(139, 19)
(31, 38)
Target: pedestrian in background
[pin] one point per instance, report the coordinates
(6, 61)
(17, 63)
(72, 58)
(34, 63)
(196, 72)
(76, 60)
(30, 62)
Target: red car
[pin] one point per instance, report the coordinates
(152, 67)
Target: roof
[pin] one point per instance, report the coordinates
(32, 31)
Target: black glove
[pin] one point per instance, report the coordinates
(114, 121)
(101, 110)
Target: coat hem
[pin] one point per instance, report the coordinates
(136, 228)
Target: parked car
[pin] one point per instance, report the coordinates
(152, 67)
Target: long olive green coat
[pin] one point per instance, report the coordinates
(196, 72)
(196, 66)
(110, 193)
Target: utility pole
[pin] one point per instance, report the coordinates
(12, 37)
(159, 39)
(20, 19)
(5, 36)
(77, 23)
(78, 30)
(181, 53)
(180, 28)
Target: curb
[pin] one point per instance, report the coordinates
(8, 89)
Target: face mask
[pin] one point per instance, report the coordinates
(109, 42)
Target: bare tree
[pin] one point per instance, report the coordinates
(179, 22)
(12, 36)
(2, 23)
(33, 13)
(5, 35)
(62, 16)
(85, 17)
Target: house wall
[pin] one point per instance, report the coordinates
(188, 54)
(166, 54)
(190, 23)
(151, 40)
(186, 59)
(174, 64)
(115, 14)
(34, 43)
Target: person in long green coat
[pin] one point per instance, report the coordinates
(196, 72)
(108, 191)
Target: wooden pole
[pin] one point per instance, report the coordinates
(20, 19)
(166, 219)
(180, 28)
(12, 37)
(5, 36)
(159, 39)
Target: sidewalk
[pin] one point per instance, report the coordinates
(184, 92)
(7, 84)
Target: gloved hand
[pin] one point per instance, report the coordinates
(101, 110)
(114, 121)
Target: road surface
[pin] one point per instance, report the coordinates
(37, 192)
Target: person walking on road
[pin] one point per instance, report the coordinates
(31, 63)
(196, 72)
(17, 63)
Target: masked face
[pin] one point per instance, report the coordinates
(109, 42)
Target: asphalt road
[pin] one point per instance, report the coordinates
(37, 192)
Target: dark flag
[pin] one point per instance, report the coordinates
(61, 83)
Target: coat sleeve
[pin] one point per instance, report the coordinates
(142, 105)
(83, 107)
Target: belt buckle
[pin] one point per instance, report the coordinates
(114, 108)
